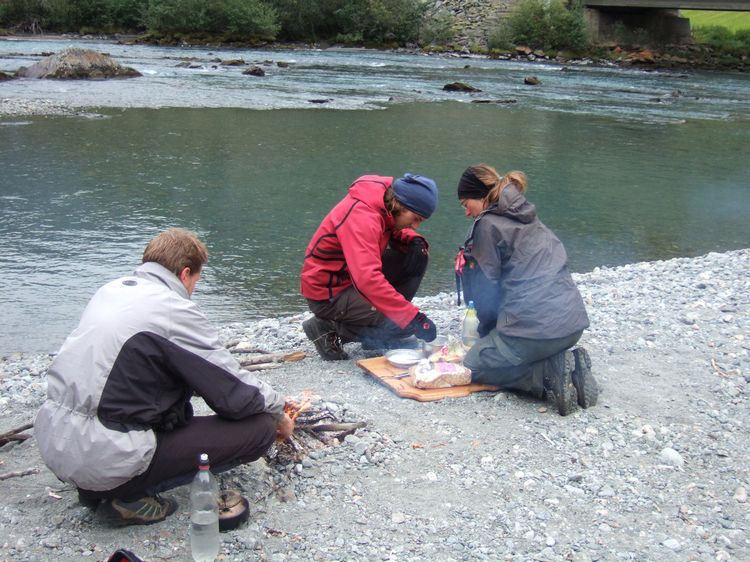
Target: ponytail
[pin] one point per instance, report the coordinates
(496, 183)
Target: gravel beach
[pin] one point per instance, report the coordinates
(658, 470)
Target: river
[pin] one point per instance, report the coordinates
(625, 165)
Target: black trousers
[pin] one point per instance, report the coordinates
(358, 320)
(228, 443)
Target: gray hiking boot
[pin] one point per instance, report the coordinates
(558, 382)
(145, 511)
(583, 380)
(323, 334)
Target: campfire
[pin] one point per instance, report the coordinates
(294, 408)
(316, 426)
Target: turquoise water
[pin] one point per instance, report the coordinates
(620, 179)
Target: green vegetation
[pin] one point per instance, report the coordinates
(733, 21)
(554, 26)
(725, 32)
(721, 39)
(542, 24)
(235, 19)
(378, 22)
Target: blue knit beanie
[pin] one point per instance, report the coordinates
(417, 193)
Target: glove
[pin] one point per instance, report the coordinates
(415, 263)
(423, 327)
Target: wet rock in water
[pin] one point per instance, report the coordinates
(460, 87)
(494, 101)
(77, 64)
(254, 71)
(5, 76)
(532, 81)
(233, 62)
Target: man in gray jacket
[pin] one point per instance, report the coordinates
(118, 422)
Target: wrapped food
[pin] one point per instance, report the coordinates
(441, 374)
(452, 351)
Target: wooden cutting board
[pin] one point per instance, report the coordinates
(391, 376)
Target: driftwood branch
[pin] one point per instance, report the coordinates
(16, 473)
(262, 366)
(282, 357)
(333, 426)
(15, 434)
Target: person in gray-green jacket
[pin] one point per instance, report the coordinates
(530, 311)
(118, 422)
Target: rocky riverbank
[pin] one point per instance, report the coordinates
(658, 470)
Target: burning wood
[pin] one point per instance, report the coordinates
(294, 408)
(316, 427)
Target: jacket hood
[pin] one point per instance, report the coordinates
(370, 190)
(158, 273)
(513, 204)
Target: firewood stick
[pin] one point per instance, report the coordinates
(273, 358)
(334, 426)
(16, 430)
(17, 437)
(262, 366)
(15, 473)
(310, 417)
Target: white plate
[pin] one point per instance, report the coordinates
(404, 357)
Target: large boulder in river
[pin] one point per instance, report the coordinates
(460, 87)
(77, 64)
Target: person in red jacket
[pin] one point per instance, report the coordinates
(364, 265)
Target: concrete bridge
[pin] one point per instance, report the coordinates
(717, 5)
(657, 20)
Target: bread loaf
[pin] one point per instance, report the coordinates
(426, 374)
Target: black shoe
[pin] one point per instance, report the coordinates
(323, 334)
(558, 382)
(583, 380)
(145, 511)
(88, 499)
(411, 342)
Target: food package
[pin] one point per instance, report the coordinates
(452, 352)
(441, 374)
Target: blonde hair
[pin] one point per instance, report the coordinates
(496, 183)
(176, 249)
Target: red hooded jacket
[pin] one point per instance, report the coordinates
(347, 250)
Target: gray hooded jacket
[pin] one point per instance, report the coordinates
(517, 274)
(140, 351)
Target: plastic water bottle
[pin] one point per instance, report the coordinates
(204, 514)
(470, 328)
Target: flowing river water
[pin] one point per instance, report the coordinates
(624, 165)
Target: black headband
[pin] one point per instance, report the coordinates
(471, 187)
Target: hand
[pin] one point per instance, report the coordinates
(423, 327)
(285, 428)
(417, 255)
